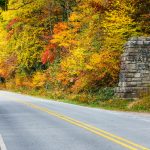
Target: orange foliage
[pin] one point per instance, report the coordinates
(64, 78)
(58, 28)
(65, 33)
(23, 81)
(7, 67)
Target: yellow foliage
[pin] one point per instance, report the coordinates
(105, 63)
(39, 80)
(117, 27)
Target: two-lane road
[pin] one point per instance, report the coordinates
(29, 123)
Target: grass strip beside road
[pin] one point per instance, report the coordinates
(116, 139)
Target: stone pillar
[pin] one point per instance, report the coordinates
(135, 68)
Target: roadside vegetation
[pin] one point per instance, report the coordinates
(69, 49)
(105, 100)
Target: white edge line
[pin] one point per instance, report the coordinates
(2, 144)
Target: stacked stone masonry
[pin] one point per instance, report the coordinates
(135, 69)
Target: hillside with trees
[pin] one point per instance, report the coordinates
(68, 48)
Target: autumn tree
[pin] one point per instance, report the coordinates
(90, 38)
(72, 45)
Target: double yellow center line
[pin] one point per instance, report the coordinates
(116, 139)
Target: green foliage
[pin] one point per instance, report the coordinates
(3, 4)
(141, 105)
(141, 15)
(115, 104)
(105, 93)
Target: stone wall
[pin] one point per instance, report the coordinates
(135, 68)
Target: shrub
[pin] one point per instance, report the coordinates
(142, 105)
(105, 93)
(116, 104)
(39, 80)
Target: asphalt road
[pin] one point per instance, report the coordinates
(29, 123)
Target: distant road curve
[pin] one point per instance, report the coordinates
(29, 123)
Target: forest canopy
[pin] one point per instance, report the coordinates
(67, 45)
